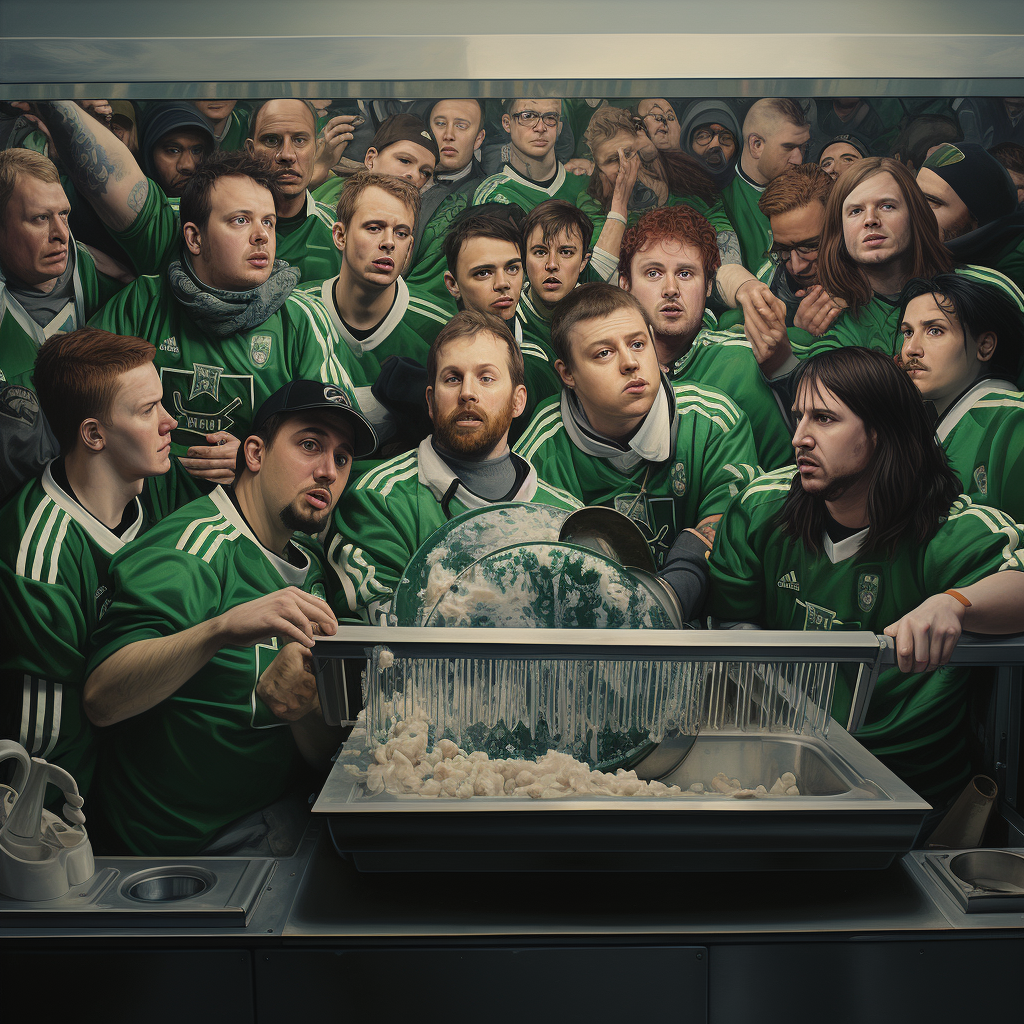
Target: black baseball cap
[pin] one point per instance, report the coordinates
(850, 140)
(300, 395)
(404, 128)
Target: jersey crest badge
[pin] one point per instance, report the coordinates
(867, 590)
(170, 345)
(981, 479)
(789, 581)
(19, 403)
(679, 479)
(634, 506)
(259, 349)
(206, 381)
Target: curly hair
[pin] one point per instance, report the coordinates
(680, 223)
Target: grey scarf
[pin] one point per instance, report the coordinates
(221, 313)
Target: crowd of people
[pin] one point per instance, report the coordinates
(253, 354)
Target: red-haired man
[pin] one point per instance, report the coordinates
(668, 264)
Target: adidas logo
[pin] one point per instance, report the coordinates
(170, 345)
(789, 581)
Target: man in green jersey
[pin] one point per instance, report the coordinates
(794, 203)
(669, 456)
(101, 396)
(228, 327)
(871, 532)
(556, 247)
(367, 302)
(48, 284)
(668, 264)
(532, 172)
(484, 253)
(458, 129)
(282, 134)
(878, 233)
(961, 346)
(201, 664)
(775, 137)
(476, 388)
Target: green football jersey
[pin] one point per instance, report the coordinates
(983, 436)
(213, 384)
(307, 241)
(509, 186)
(55, 584)
(915, 722)
(541, 377)
(154, 238)
(725, 360)
(211, 752)
(536, 320)
(712, 459)
(330, 191)
(715, 213)
(428, 310)
(235, 131)
(876, 324)
(26, 443)
(1010, 262)
(425, 277)
(740, 198)
(394, 336)
(391, 511)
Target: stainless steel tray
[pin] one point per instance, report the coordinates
(853, 813)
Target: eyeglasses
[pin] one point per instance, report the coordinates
(528, 118)
(704, 135)
(780, 254)
(661, 119)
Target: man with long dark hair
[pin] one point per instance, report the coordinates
(961, 344)
(871, 532)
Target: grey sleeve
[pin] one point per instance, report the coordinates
(686, 572)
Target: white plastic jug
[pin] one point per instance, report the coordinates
(41, 855)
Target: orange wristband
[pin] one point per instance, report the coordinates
(960, 597)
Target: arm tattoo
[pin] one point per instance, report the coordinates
(729, 247)
(86, 160)
(137, 196)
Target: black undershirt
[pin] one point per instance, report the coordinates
(836, 531)
(60, 478)
(357, 334)
(543, 184)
